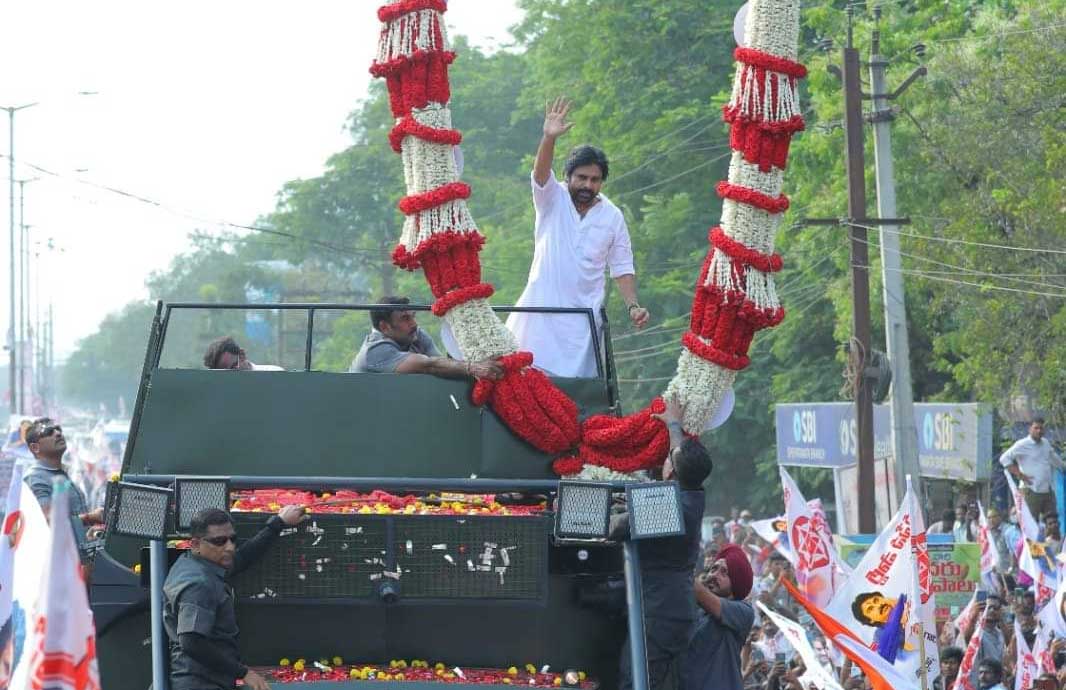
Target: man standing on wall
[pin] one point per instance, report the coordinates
(1031, 459)
(578, 235)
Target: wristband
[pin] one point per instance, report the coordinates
(634, 306)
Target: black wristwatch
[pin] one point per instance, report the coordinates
(633, 306)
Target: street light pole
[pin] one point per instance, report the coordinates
(12, 359)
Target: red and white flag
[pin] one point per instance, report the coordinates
(923, 586)
(966, 616)
(988, 552)
(1035, 562)
(965, 675)
(1026, 523)
(8, 540)
(1027, 667)
(62, 642)
(1042, 650)
(818, 568)
(1053, 615)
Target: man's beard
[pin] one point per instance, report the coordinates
(582, 197)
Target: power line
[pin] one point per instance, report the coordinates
(957, 39)
(201, 219)
(953, 240)
(986, 286)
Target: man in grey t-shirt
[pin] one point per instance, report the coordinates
(396, 345)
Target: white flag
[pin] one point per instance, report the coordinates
(989, 557)
(922, 588)
(870, 600)
(63, 651)
(1037, 564)
(8, 538)
(1053, 615)
(815, 557)
(797, 636)
(1026, 523)
(30, 543)
(1027, 668)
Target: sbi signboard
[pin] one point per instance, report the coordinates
(954, 439)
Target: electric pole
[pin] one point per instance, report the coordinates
(904, 429)
(859, 352)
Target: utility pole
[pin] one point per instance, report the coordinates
(24, 359)
(904, 429)
(860, 282)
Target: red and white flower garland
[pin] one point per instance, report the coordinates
(735, 296)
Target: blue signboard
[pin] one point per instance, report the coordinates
(954, 439)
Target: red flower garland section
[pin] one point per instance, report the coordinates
(388, 13)
(417, 80)
(623, 444)
(531, 406)
(767, 263)
(752, 197)
(764, 141)
(409, 126)
(769, 63)
(416, 203)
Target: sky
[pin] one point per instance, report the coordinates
(205, 107)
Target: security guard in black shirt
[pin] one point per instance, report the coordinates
(199, 613)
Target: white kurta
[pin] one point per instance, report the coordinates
(570, 257)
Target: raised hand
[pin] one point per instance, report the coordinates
(555, 112)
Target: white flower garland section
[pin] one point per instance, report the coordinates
(427, 166)
(752, 227)
(479, 332)
(773, 27)
(411, 32)
(700, 387)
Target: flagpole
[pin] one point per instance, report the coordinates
(917, 609)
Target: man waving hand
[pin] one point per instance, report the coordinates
(579, 235)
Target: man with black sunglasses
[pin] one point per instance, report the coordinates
(199, 613)
(46, 442)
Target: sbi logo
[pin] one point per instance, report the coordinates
(804, 427)
(938, 431)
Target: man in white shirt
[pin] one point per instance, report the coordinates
(1031, 459)
(579, 234)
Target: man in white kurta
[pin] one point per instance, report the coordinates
(579, 236)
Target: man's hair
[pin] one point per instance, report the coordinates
(952, 652)
(205, 518)
(379, 315)
(36, 430)
(993, 664)
(860, 615)
(587, 155)
(1051, 516)
(692, 464)
(217, 347)
(1037, 420)
(947, 516)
